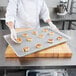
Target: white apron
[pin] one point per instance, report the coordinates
(26, 13)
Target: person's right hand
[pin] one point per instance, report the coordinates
(12, 30)
(10, 24)
(13, 35)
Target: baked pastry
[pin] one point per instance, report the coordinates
(25, 34)
(29, 39)
(51, 33)
(45, 30)
(38, 45)
(19, 40)
(25, 49)
(59, 38)
(50, 40)
(41, 36)
(34, 32)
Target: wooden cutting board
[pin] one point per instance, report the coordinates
(59, 51)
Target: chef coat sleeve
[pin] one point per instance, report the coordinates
(44, 13)
(11, 11)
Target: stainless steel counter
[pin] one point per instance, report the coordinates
(38, 63)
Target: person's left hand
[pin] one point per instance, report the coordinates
(53, 27)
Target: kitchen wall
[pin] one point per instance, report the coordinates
(3, 2)
(52, 3)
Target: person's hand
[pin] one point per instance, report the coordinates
(53, 27)
(12, 30)
(10, 24)
(13, 34)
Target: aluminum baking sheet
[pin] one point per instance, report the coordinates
(18, 47)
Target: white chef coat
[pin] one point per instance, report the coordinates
(26, 13)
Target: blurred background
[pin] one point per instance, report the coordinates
(58, 9)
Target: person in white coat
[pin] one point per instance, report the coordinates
(26, 14)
